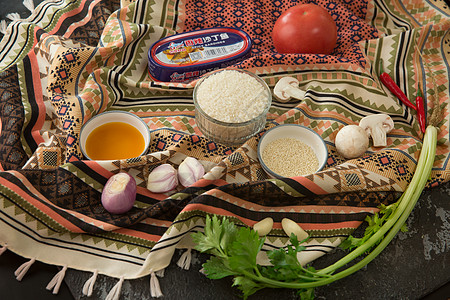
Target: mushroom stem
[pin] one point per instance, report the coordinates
(378, 134)
(294, 92)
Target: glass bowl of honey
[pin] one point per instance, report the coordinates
(114, 135)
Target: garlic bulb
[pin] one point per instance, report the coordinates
(162, 179)
(190, 171)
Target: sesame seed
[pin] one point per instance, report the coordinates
(289, 157)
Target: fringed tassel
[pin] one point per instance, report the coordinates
(185, 260)
(13, 16)
(114, 294)
(3, 249)
(155, 289)
(55, 283)
(23, 269)
(88, 286)
(3, 26)
(160, 273)
(29, 4)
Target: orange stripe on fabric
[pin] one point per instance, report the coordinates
(50, 212)
(38, 98)
(325, 226)
(326, 209)
(66, 15)
(138, 234)
(310, 185)
(86, 19)
(206, 182)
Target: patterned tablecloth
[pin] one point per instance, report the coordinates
(73, 59)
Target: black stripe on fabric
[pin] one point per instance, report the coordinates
(351, 107)
(141, 12)
(175, 17)
(43, 12)
(186, 100)
(397, 68)
(400, 66)
(313, 218)
(85, 168)
(39, 34)
(397, 21)
(174, 243)
(117, 85)
(111, 80)
(156, 85)
(27, 131)
(11, 41)
(73, 19)
(130, 49)
(43, 238)
(327, 98)
(298, 187)
(148, 229)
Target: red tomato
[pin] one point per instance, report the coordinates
(305, 28)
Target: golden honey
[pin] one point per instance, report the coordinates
(114, 140)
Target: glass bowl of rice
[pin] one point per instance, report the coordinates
(290, 150)
(231, 105)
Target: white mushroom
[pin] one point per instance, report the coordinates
(287, 88)
(377, 126)
(351, 141)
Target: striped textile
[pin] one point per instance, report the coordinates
(73, 59)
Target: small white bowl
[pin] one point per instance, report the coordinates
(299, 132)
(114, 116)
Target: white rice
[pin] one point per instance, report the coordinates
(231, 96)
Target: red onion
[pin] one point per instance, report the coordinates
(119, 193)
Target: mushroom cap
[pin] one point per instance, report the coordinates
(384, 119)
(377, 126)
(281, 85)
(351, 141)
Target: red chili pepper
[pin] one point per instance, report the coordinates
(387, 80)
(420, 111)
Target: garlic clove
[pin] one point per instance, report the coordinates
(162, 179)
(190, 171)
(264, 226)
(290, 227)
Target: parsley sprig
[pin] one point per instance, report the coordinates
(234, 254)
(235, 249)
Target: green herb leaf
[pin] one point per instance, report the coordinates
(246, 285)
(306, 294)
(244, 249)
(217, 268)
(229, 231)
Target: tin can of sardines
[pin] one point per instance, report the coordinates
(186, 56)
